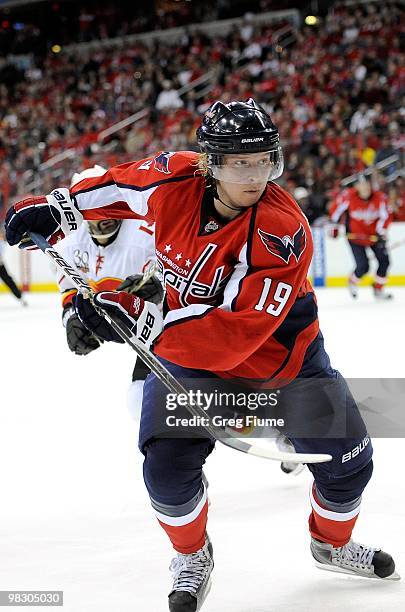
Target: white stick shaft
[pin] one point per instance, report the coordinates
(163, 374)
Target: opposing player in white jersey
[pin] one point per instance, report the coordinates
(111, 254)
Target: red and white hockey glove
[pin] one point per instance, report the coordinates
(333, 231)
(142, 318)
(53, 216)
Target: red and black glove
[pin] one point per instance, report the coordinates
(142, 318)
(53, 216)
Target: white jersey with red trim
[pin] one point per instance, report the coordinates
(105, 267)
(237, 292)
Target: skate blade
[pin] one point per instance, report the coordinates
(204, 595)
(341, 570)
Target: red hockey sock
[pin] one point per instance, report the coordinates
(328, 526)
(187, 533)
(379, 282)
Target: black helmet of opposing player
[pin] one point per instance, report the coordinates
(240, 128)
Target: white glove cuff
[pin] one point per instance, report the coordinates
(67, 313)
(71, 217)
(150, 324)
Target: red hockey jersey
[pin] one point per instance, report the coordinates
(238, 297)
(363, 218)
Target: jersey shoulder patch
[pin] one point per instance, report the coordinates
(281, 229)
(170, 164)
(285, 246)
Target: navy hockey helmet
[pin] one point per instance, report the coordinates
(239, 128)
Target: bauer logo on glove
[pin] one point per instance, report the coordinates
(143, 318)
(53, 216)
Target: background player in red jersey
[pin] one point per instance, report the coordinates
(234, 250)
(366, 214)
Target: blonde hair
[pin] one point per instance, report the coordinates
(202, 164)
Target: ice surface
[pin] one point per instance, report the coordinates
(74, 515)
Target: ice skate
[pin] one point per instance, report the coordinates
(191, 579)
(380, 292)
(284, 444)
(354, 559)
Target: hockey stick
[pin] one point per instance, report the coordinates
(370, 238)
(395, 245)
(149, 272)
(374, 238)
(170, 382)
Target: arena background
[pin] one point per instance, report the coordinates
(92, 82)
(75, 514)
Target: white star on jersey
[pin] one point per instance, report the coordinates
(168, 248)
(188, 263)
(179, 256)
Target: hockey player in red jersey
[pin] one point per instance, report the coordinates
(366, 214)
(234, 249)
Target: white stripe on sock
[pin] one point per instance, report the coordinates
(329, 514)
(178, 521)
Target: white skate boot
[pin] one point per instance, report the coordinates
(191, 579)
(354, 559)
(380, 292)
(353, 288)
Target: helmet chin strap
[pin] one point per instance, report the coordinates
(216, 196)
(237, 208)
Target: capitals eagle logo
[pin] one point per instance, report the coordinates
(286, 246)
(162, 162)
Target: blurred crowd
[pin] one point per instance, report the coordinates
(34, 30)
(335, 91)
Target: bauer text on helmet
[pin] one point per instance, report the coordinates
(240, 128)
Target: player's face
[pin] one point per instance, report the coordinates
(253, 170)
(103, 230)
(364, 189)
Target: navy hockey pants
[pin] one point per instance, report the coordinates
(173, 465)
(362, 263)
